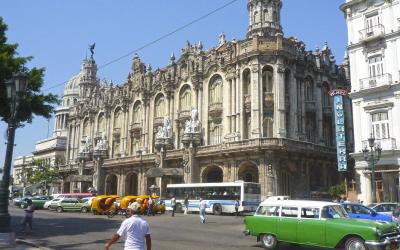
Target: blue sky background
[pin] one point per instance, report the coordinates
(57, 35)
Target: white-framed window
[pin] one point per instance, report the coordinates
(380, 125)
(375, 65)
(372, 21)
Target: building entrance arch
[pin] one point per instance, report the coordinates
(212, 174)
(111, 184)
(248, 172)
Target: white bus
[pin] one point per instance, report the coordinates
(220, 197)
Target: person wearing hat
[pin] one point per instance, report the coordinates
(134, 230)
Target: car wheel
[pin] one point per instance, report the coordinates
(354, 243)
(84, 209)
(59, 209)
(217, 209)
(268, 241)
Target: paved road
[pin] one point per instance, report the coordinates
(86, 231)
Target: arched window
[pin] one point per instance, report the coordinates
(215, 92)
(101, 124)
(309, 90)
(118, 118)
(137, 113)
(86, 128)
(160, 107)
(256, 17)
(268, 126)
(185, 98)
(246, 82)
(275, 16)
(215, 133)
(265, 15)
(268, 79)
(326, 99)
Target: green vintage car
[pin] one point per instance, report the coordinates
(317, 223)
(66, 204)
(37, 201)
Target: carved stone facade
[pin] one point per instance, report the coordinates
(256, 109)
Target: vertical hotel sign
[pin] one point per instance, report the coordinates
(338, 105)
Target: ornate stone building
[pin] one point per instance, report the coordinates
(373, 53)
(255, 109)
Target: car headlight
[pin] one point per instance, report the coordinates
(378, 232)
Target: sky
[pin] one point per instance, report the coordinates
(57, 35)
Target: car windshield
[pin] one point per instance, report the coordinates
(333, 212)
(372, 205)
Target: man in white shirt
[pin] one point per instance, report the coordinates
(202, 208)
(134, 230)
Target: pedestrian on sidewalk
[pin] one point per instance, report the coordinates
(237, 204)
(150, 207)
(134, 230)
(28, 216)
(173, 205)
(186, 203)
(202, 208)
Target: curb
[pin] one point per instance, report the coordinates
(31, 244)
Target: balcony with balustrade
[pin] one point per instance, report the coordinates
(184, 115)
(158, 121)
(135, 128)
(247, 103)
(376, 81)
(384, 144)
(215, 109)
(116, 133)
(372, 33)
(268, 99)
(310, 106)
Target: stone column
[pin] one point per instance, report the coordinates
(255, 101)
(238, 105)
(146, 127)
(226, 108)
(98, 176)
(233, 113)
(279, 103)
(293, 107)
(319, 118)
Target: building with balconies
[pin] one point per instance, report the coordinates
(374, 57)
(260, 104)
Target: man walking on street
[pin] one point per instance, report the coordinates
(186, 203)
(237, 204)
(28, 216)
(134, 230)
(173, 205)
(202, 208)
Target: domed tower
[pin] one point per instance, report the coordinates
(69, 98)
(88, 77)
(264, 17)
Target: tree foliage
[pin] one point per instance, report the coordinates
(42, 173)
(33, 101)
(337, 190)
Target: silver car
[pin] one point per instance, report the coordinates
(384, 207)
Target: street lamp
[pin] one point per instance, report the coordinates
(15, 89)
(372, 156)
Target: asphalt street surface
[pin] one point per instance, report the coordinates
(75, 230)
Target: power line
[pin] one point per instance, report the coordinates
(156, 40)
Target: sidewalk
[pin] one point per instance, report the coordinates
(27, 245)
